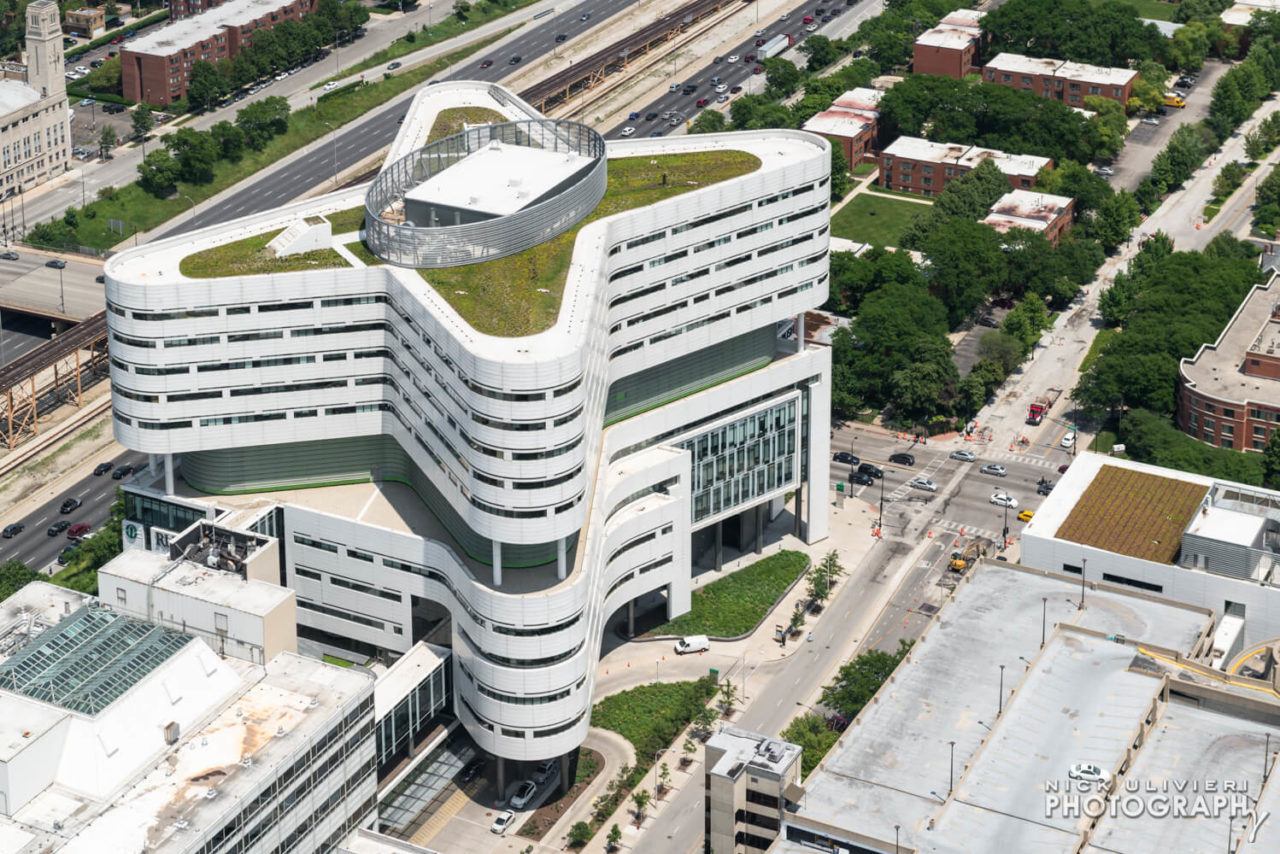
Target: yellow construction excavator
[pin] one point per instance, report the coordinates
(962, 560)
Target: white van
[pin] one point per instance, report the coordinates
(693, 643)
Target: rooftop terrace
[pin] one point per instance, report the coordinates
(1217, 369)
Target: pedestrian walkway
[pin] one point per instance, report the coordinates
(969, 530)
(617, 751)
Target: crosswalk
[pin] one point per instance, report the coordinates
(994, 456)
(928, 471)
(968, 530)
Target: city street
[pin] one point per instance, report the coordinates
(28, 285)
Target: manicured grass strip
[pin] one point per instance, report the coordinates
(438, 32)
(1210, 211)
(142, 212)
(1100, 340)
(876, 220)
(451, 121)
(520, 294)
(863, 169)
(343, 222)
(334, 660)
(362, 252)
(251, 257)
(735, 604)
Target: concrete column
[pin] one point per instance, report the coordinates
(800, 332)
(631, 618)
(566, 772)
(502, 778)
(168, 474)
(497, 563)
(153, 462)
(719, 545)
(562, 561)
(799, 532)
(759, 512)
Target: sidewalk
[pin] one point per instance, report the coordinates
(617, 751)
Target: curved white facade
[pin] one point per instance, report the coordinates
(507, 432)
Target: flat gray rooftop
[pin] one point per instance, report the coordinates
(887, 767)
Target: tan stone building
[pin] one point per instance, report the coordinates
(750, 779)
(35, 134)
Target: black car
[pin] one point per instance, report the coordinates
(8, 255)
(859, 477)
(515, 60)
(69, 505)
(1045, 487)
(55, 263)
(870, 471)
(58, 527)
(473, 768)
(122, 472)
(11, 531)
(1185, 82)
(64, 556)
(988, 321)
(102, 468)
(100, 279)
(902, 459)
(845, 457)
(561, 38)
(648, 117)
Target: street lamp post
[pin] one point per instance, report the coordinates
(1044, 618)
(1084, 566)
(951, 778)
(62, 296)
(880, 520)
(1000, 710)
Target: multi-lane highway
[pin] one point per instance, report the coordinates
(33, 546)
(376, 130)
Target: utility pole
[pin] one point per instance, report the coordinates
(1000, 710)
(1044, 618)
(1084, 565)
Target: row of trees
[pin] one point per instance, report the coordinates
(287, 45)
(975, 113)
(1109, 34)
(191, 155)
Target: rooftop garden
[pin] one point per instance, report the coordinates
(251, 257)
(453, 119)
(1133, 513)
(520, 294)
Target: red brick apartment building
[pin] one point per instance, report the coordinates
(1046, 213)
(155, 67)
(917, 165)
(850, 123)
(1229, 392)
(187, 8)
(1069, 82)
(951, 48)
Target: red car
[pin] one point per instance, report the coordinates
(759, 69)
(486, 63)
(751, 57)
(118, 40)
(702, 102)
(78, 530)
(759, 42)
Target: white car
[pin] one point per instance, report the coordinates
(922, 483)
(546, 769)
(1089, 773)
(80, 69)
(1068, 441)
(283, 75)
(995, 469)
(963, 456)
(731, 58)
(628, 131)
(812, 28)
(331, 85)
(1004, 499)
(722, 99)
(721, 89)
(1105, 171)
(524, 794)
(502, 822)
(1150, 120)
(786, 16)
(759, 34)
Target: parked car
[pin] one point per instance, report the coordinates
(55, 263)
(1026, 515)
(122, 472)
(846, 458)
(11, 531)
(502, 822)
(524, 794)
(1069, 440)
(1089, 772)
(871, 471)
(963, 456)
(734, 90)
(64, 556)
(70, 506)
(97, 63)
(1105, 171)
(994, 469)
(902, 458)
(693, 643)
(78, 531)
(988, 321)
(860, 478)
(1062, 469)
(759, 69)
(57, 527)
(8, 255)
(923, 483)
(1004, 499)
(1150, 120)
(545, 771)
(102, 468)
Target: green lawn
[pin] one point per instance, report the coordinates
(520, 294)
(358, 249)
(1210, 211)
(651, 716)
(250, 257)
(733, 605)
(451, 121)
(877, 220)
(863, 169)
(344, 222)
(339, 662)
(1099, 341)
(441, 30)
(141, 211)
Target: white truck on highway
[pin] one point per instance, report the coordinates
(775, 46)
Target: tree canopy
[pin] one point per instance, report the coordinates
(1109, 34)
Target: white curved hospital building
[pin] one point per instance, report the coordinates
(469, 425)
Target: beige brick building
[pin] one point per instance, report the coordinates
(34, 128)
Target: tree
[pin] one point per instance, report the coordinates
(1001, 348)
(1109, 34)
(830, 566)
(107, 140)
(704, 720)
(614, 838)
(641, 798)
(689, 749)
(1026, 321)
(143, 120)
(158, 174)
(781, 76)
(1256, 146)
(461, 9)
(858, 681)
(664, 778)
(968, 197)
(839, 173)
(1189, 46)
(966, 263)
(1270, 462)
(821, 52)
(579, 834)
(922, 389)
(195, 153)
(263, 119)
(709, 121)
(727, 698)
(205, 87)
(14, 575)
(1108, 126)
(1114, 220)
(230, 140)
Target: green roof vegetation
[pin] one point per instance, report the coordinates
(343, 222)
(520, 294)
(364, 253)
(451, 120)
(734, 605)
(251, 257)
(1133, 513)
